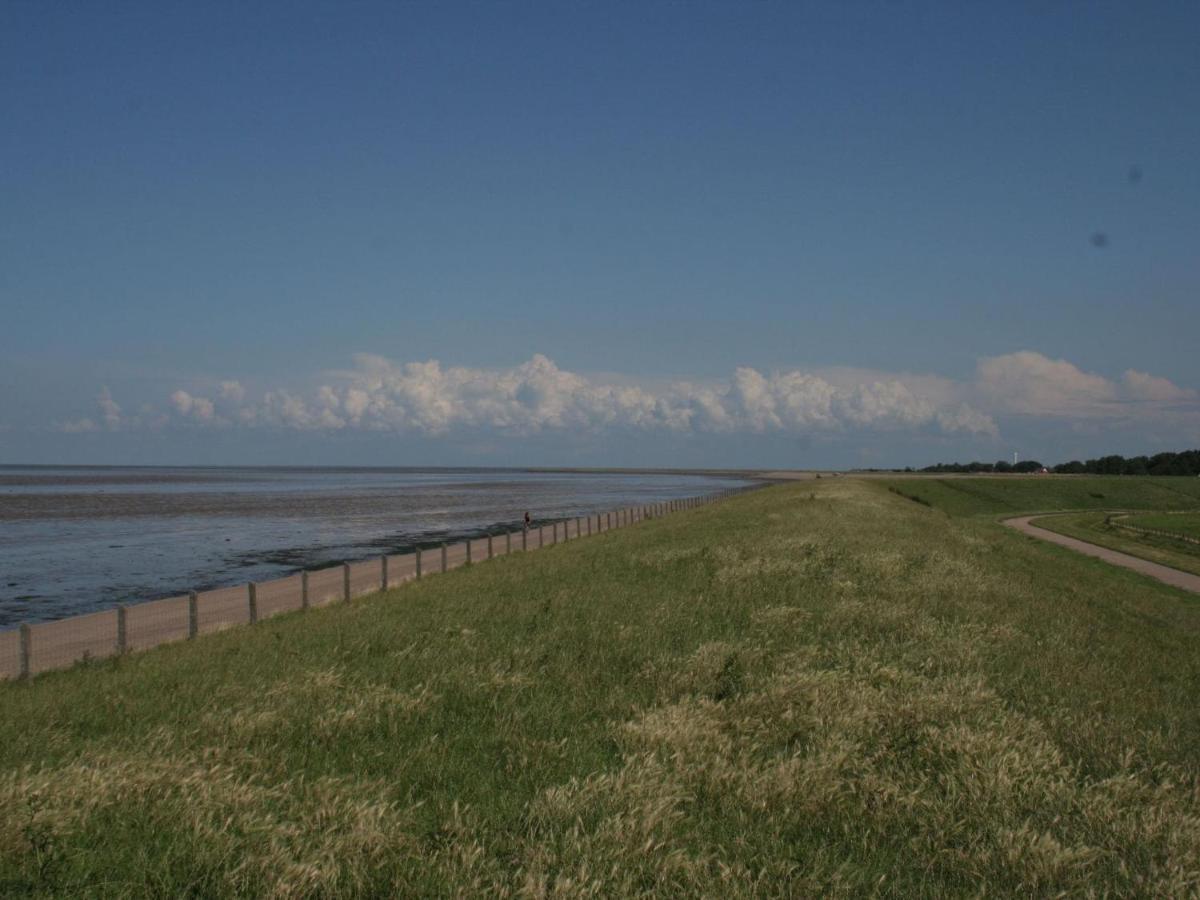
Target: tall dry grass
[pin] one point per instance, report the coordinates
(813, 690)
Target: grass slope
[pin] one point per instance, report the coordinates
(1187, 524)
(820, 689)
(1091, 526)
(1047, 493)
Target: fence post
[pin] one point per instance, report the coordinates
(383, 573)
(194, 612)
(26, 640)
(345, 581)
(252, 596)
(122, 645)
(304, 590)
(541, 536)
(554, 535)
(443, 557)
(507, 543)
(468, 551)
(525, 538)
(489, 545)
(589, 534)
(419, 564)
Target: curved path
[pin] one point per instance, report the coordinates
(1165, 574)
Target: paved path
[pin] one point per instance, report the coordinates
(1165, 574)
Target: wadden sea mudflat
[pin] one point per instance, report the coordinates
(816, 689)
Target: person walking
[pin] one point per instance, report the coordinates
(528, 521)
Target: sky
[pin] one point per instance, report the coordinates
(631, 234)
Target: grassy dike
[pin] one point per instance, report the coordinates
(822, 688)
(1091, 526)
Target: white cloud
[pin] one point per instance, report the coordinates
(1143, 386)
(1033, 384)
(538, 396)
(1029, 383)
(200, 409)
(232, 391)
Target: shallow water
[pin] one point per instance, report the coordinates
(75, 540)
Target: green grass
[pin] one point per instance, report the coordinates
(815, 690)
(1092, 527)
(1014, 494)
(1187, 524)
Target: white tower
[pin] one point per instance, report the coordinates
(1014, 457)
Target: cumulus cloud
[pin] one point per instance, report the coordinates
(108, 419)
(109, 409)
(201, 409)
(1033, 384)
(232, 391)
(1029, 383)
(538, 396)
(1143, 386)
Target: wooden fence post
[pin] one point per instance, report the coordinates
(252, 597)
(525, 538)
(122, 643)
(304, 590)
(194, 614)
(383, 573)
(507, 543)
(468, 551)
(26, 648)
(589, 534)
(443, 557)
(345, 581)
(419, 573)
(489, 545)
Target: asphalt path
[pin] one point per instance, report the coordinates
(1165, 574)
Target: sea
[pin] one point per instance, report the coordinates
(80, 539)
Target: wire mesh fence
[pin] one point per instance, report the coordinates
(157, 622)
(31, 649)
(55, 645)
(10, 663)
(278, 596)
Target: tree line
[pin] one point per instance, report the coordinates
(1184, 463)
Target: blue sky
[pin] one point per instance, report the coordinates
(582, 233)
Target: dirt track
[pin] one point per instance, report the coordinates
(1165, 574)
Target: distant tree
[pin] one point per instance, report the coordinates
(1185, 463)
(1137, 465)
(1074, 467)
(1107, 465)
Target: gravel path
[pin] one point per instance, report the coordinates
(1165, 574)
